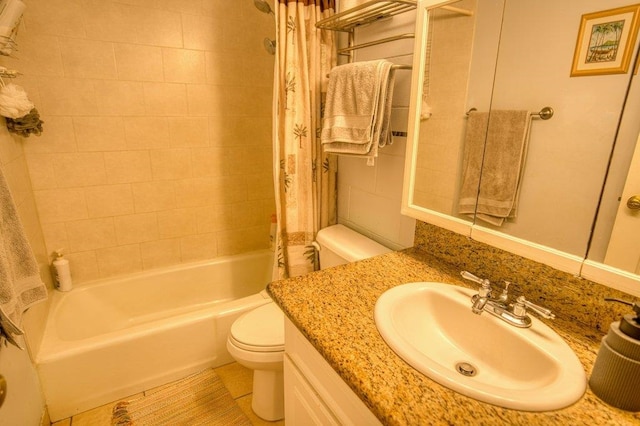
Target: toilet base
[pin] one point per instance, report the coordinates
(268, 394)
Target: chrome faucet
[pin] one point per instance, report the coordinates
(514, 314)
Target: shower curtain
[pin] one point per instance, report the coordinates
(305, 178)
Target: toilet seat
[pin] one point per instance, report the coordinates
(259, 330)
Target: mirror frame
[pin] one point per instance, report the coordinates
(573, 264)
(409, 208)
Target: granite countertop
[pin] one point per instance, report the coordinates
(333, 308)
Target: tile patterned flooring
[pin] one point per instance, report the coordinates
(237, 379)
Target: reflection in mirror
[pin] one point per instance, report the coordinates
(615, 239)
(520, 58)
(567, 156)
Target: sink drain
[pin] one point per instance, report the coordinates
(466, 369)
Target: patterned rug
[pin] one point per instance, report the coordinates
(200, 399)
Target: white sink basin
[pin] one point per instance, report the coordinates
(432, 328)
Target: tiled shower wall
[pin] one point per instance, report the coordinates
(157, 141)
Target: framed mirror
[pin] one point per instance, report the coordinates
(511, 56)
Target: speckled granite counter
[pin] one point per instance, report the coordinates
(334, 310)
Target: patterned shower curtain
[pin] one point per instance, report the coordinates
(305, 178)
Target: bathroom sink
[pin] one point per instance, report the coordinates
(432, 328)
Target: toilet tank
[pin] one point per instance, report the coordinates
(340, 245)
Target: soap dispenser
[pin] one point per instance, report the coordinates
(616, 372)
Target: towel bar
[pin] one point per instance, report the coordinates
(545, 113)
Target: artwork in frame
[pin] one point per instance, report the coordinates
(605, 41)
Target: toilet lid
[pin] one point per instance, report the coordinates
(260, 330)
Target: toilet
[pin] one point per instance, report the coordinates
(256, 339)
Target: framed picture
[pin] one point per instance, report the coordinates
(605, 41)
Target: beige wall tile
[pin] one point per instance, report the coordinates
(110, 21)
(58, 137)
(249, 213)
(195, 192)
(188, 131)
(91, 234)
(201, 32)
(136, 228)
(183, 66)
(154, 196)
(60, 205)
(165, 99)
(87, 58)
(146, 132)
(208, 162)
(205, 100)
(99, 133)
(214, 218)
(119, 260)
(55, 17)
(79, 169)
(119, 98)
(137, 62)
(55, 237)
(171, 164)
(127, 166)
(160, 253)
(198, 247)
(84, 266)
(177, 223)
(224, 67)
(41, 171)
(158, 27)
(242, 240)
(66, 96)
(260, 186)
(109, 200)
(39, 55)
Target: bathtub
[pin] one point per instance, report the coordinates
(112, 338)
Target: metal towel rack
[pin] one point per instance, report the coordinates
(545, 113)
(369, 12)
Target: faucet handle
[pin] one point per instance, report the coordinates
(485, 289)
(520, 310)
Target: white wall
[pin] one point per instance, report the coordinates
(369, 197)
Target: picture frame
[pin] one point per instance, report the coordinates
(605, 41)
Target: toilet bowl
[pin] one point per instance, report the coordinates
(256, 339)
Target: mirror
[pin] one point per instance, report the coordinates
(513, 55)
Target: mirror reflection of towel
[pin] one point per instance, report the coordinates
(495, 149)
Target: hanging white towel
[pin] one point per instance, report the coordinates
(358, 108)
(20, 283)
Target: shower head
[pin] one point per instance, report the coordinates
(270, 46)
(263, 6)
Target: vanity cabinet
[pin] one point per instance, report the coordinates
(314, 393)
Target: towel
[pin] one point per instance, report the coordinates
(358, 109)
(502, 164)
(20, 283)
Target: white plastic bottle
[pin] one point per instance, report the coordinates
(62, 272)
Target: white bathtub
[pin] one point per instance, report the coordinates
(112, 338)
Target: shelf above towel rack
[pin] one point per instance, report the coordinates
(348, 50)
(365, 13)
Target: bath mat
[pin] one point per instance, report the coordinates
(200, 399)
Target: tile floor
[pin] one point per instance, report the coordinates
(237, 379)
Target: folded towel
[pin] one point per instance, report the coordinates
(500, 176)
(20, 283)
(358, 109)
